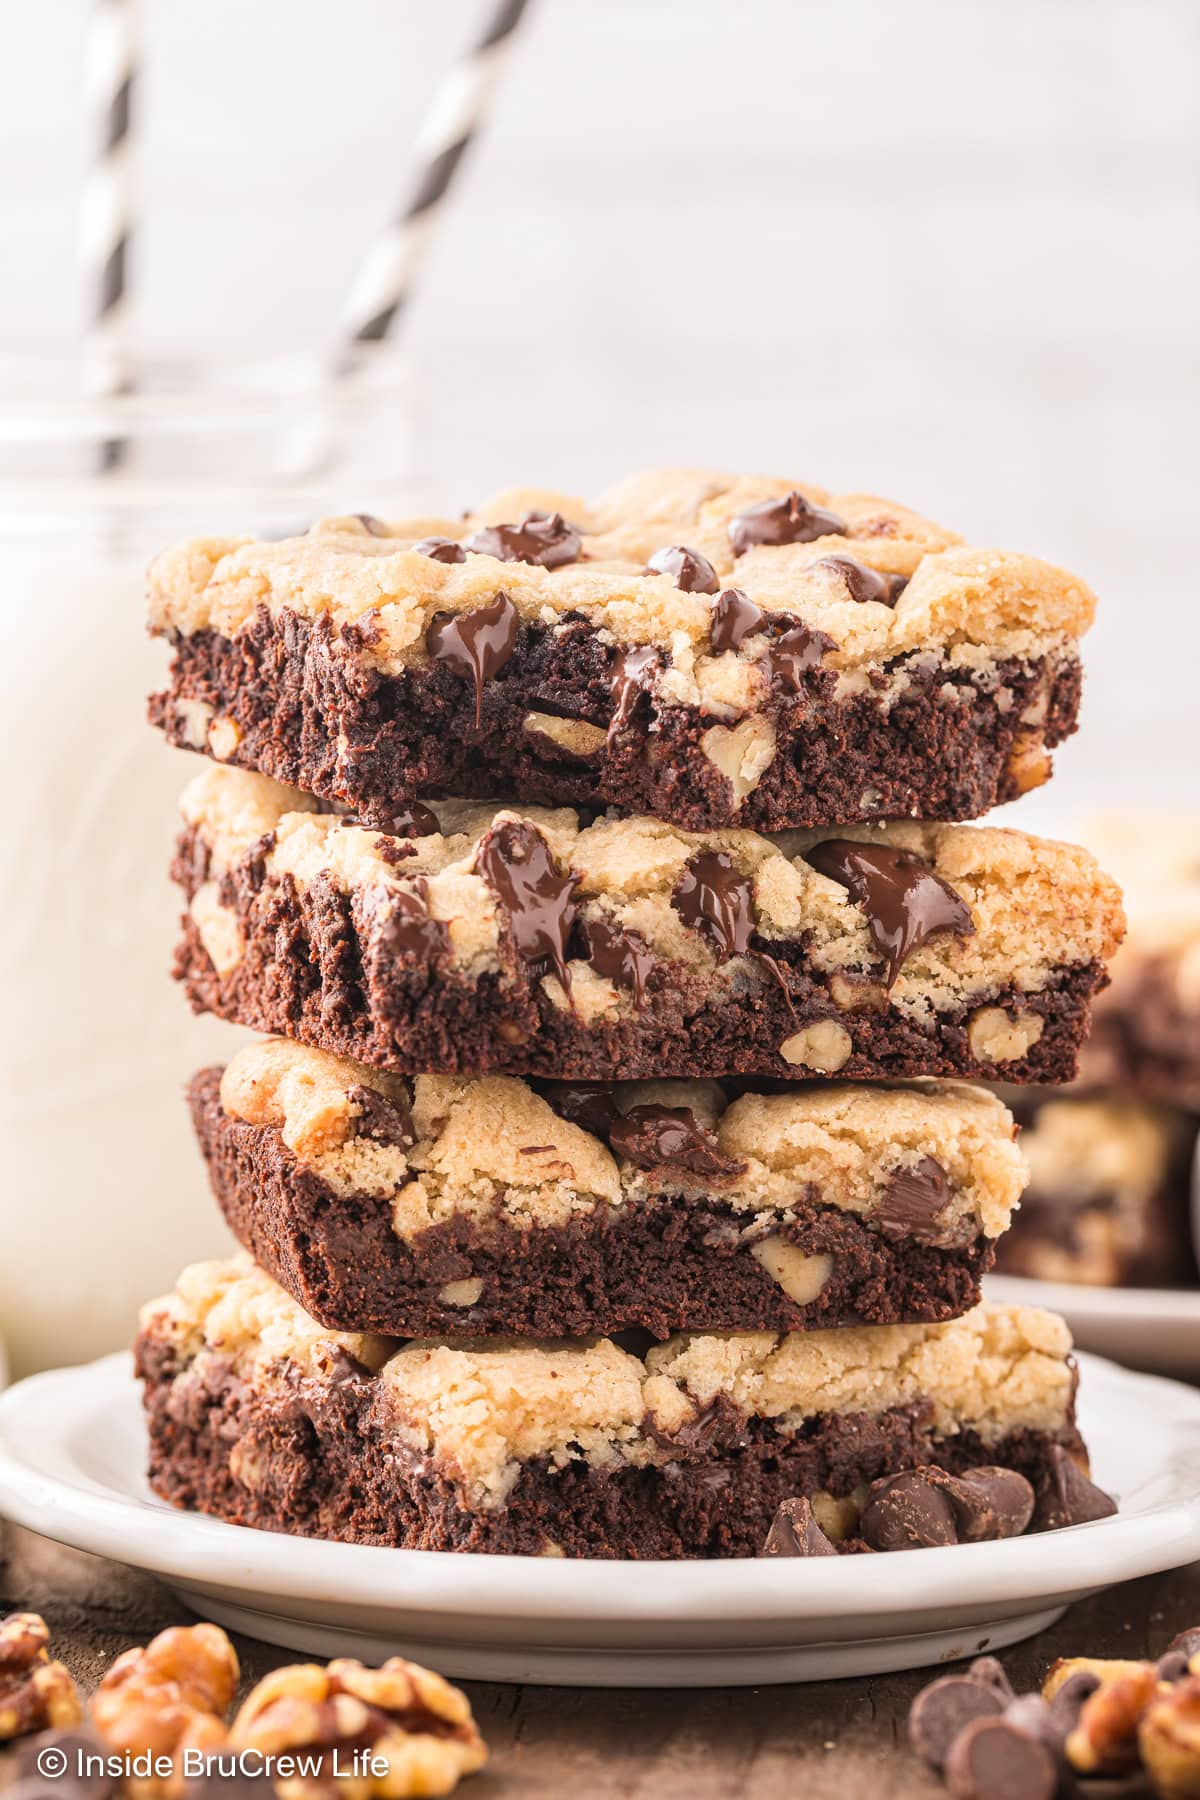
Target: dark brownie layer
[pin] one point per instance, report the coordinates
(664, 1266)
(320, 1459)
(308, 711)
(316, 966)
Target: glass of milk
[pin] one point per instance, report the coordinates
(103, 1194)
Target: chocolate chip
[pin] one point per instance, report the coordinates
(659, 1137)
(991, 1760)
(864, 583)
(913, 1202)
(476, 644)
(992, 1673)
(408, 929)
(629, 682)
(370, 523)
(1173, 1666)
(588, 1104)
(795, 1532)
(80, 1750)
(687, 568)
(539, 537)
(919, 1508)
(905, 902)
(991, 1503)
(515, 861)
(792, 652)
(1187, 1641)
(440, 549)
(944, 1709)
(909, 1511)
(382, 1120)
(414, 821)
(1066, 1496)
(734, 618)
(791, 520)
(620, 956)
(714, 899)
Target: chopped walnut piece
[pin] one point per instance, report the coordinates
(1028, 762)
(1169, 1740)
(170, 1696)
(35, 1693)
(826, 1046)
(995, 1037)
(407, 1716)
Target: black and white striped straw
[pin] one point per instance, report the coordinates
(105, 224)
(386, 278)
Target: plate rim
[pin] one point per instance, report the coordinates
(1125, 1305)
(192, 1547)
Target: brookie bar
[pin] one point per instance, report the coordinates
(708, 649)
(537, 943)
(450, 1205)
(262, 1417)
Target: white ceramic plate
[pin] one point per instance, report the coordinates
(1148, 1328)
(71, 1455)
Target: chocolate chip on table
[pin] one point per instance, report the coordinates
(538, 537)
(656, 1137)
(913, 1202)
(21, 1778)
(789, 520)
(944, 1709)
(628, 682)
(795, 1532)
(1066, 1496)
(687, 569)
(905, 902)
(620, 956)
(991, 1671)
(515, 861)
(1187, 1641)
(992, 1760)
(440, 549)
(864, 583)
(476, 644)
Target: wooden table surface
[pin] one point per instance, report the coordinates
(833, 1741)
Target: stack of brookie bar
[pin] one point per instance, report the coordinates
(594, 1195)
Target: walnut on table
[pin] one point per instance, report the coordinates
(166, 1698)
(35, 1693)
(409, 1719)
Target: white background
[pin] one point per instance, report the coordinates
(945, 251)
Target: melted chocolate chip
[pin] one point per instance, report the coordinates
(795, 646)
(628, 682)
(991, 1503)
(905, 902)
(370, 523)
(476, 644)
(1067, 1496)
(790, 520)
(714, 899)
(588, 1104)
(991, 1760)
(913, 1202)
(382, 1120)
(657, 1137)
(412, 821)
(409, 929)
(734, 618)
(540, 537)
(798, 648)
(944, 1709)
(440, 549)
(635, 1339)
(687, 568)
(515, 861)
(864, 583)
(620, 956)
(795, 1532)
